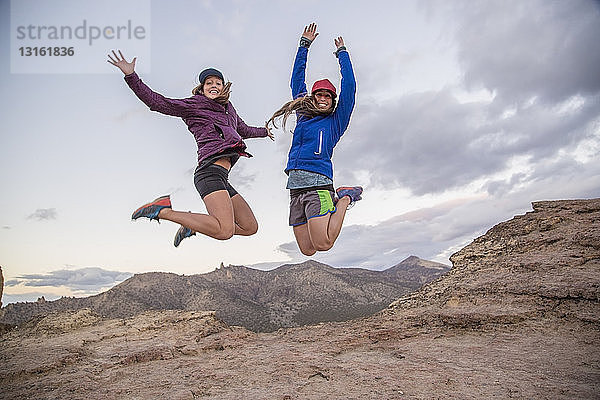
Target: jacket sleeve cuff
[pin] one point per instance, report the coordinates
(305, 42)
(340, 49)
(131, 77)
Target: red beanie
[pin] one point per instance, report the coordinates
(324, 84)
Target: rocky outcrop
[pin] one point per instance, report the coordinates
(541, 264)
(517, 317)
(3, 326)
(1, 291)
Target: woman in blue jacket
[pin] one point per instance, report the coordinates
(316, 215)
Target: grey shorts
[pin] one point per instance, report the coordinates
(307, 204)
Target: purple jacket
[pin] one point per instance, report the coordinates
(214, 126)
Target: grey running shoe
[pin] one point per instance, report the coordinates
(181, 234)
(353, 192)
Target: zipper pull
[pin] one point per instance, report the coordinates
(320, 142)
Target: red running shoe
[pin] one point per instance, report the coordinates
(152, 209)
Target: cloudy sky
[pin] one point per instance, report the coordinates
(466, 113)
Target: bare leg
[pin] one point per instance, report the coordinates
(245, 221)
(218, 224)
(303, 240)
(324, 231)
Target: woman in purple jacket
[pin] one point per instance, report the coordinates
(219, 134)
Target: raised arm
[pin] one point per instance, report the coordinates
(155, 101)
(298, 83)
(348, 87)
(246, 131)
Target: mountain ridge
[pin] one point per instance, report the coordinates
(291, 295)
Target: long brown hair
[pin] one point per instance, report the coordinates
(302, 106)
(222, 98)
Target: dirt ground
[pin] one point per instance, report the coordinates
(179, 355)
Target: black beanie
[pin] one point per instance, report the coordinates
(210, 72)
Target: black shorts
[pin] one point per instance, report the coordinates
(212, 178)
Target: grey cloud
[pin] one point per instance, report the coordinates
(429, 142)
(563, 178)
(43, 214)
(242, 177)
(420, 141)
(124, 116)
(83, 279)
(499, 187)
(175, 189)
(289, 248)
(532, 48)
(546, 100)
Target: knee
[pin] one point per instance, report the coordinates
(306, 247)
(248, 229)
(252, 229)
(323, 245)
(308, 252)
(225, 233)
(224, 236)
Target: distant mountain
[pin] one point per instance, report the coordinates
(291, 295)
(415, 272)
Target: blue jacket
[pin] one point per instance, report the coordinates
(315, 138)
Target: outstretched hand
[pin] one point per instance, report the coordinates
(310, 32)
(126, 67)
(339, 42)
(269, 133)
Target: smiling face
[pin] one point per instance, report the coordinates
(324, 99)
(213, 86)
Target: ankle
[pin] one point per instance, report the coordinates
(164, 213)
(345, 200)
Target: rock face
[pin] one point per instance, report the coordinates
(547, 261)
(3, 327)
(1, 291)
(291, 295)
(517, 317)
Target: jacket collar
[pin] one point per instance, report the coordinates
(209, 104)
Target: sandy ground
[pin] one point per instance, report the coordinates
(179, 355)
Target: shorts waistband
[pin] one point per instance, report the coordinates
(211, 169)
(295, 192)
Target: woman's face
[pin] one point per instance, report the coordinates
(323, 99)
(213, 86)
